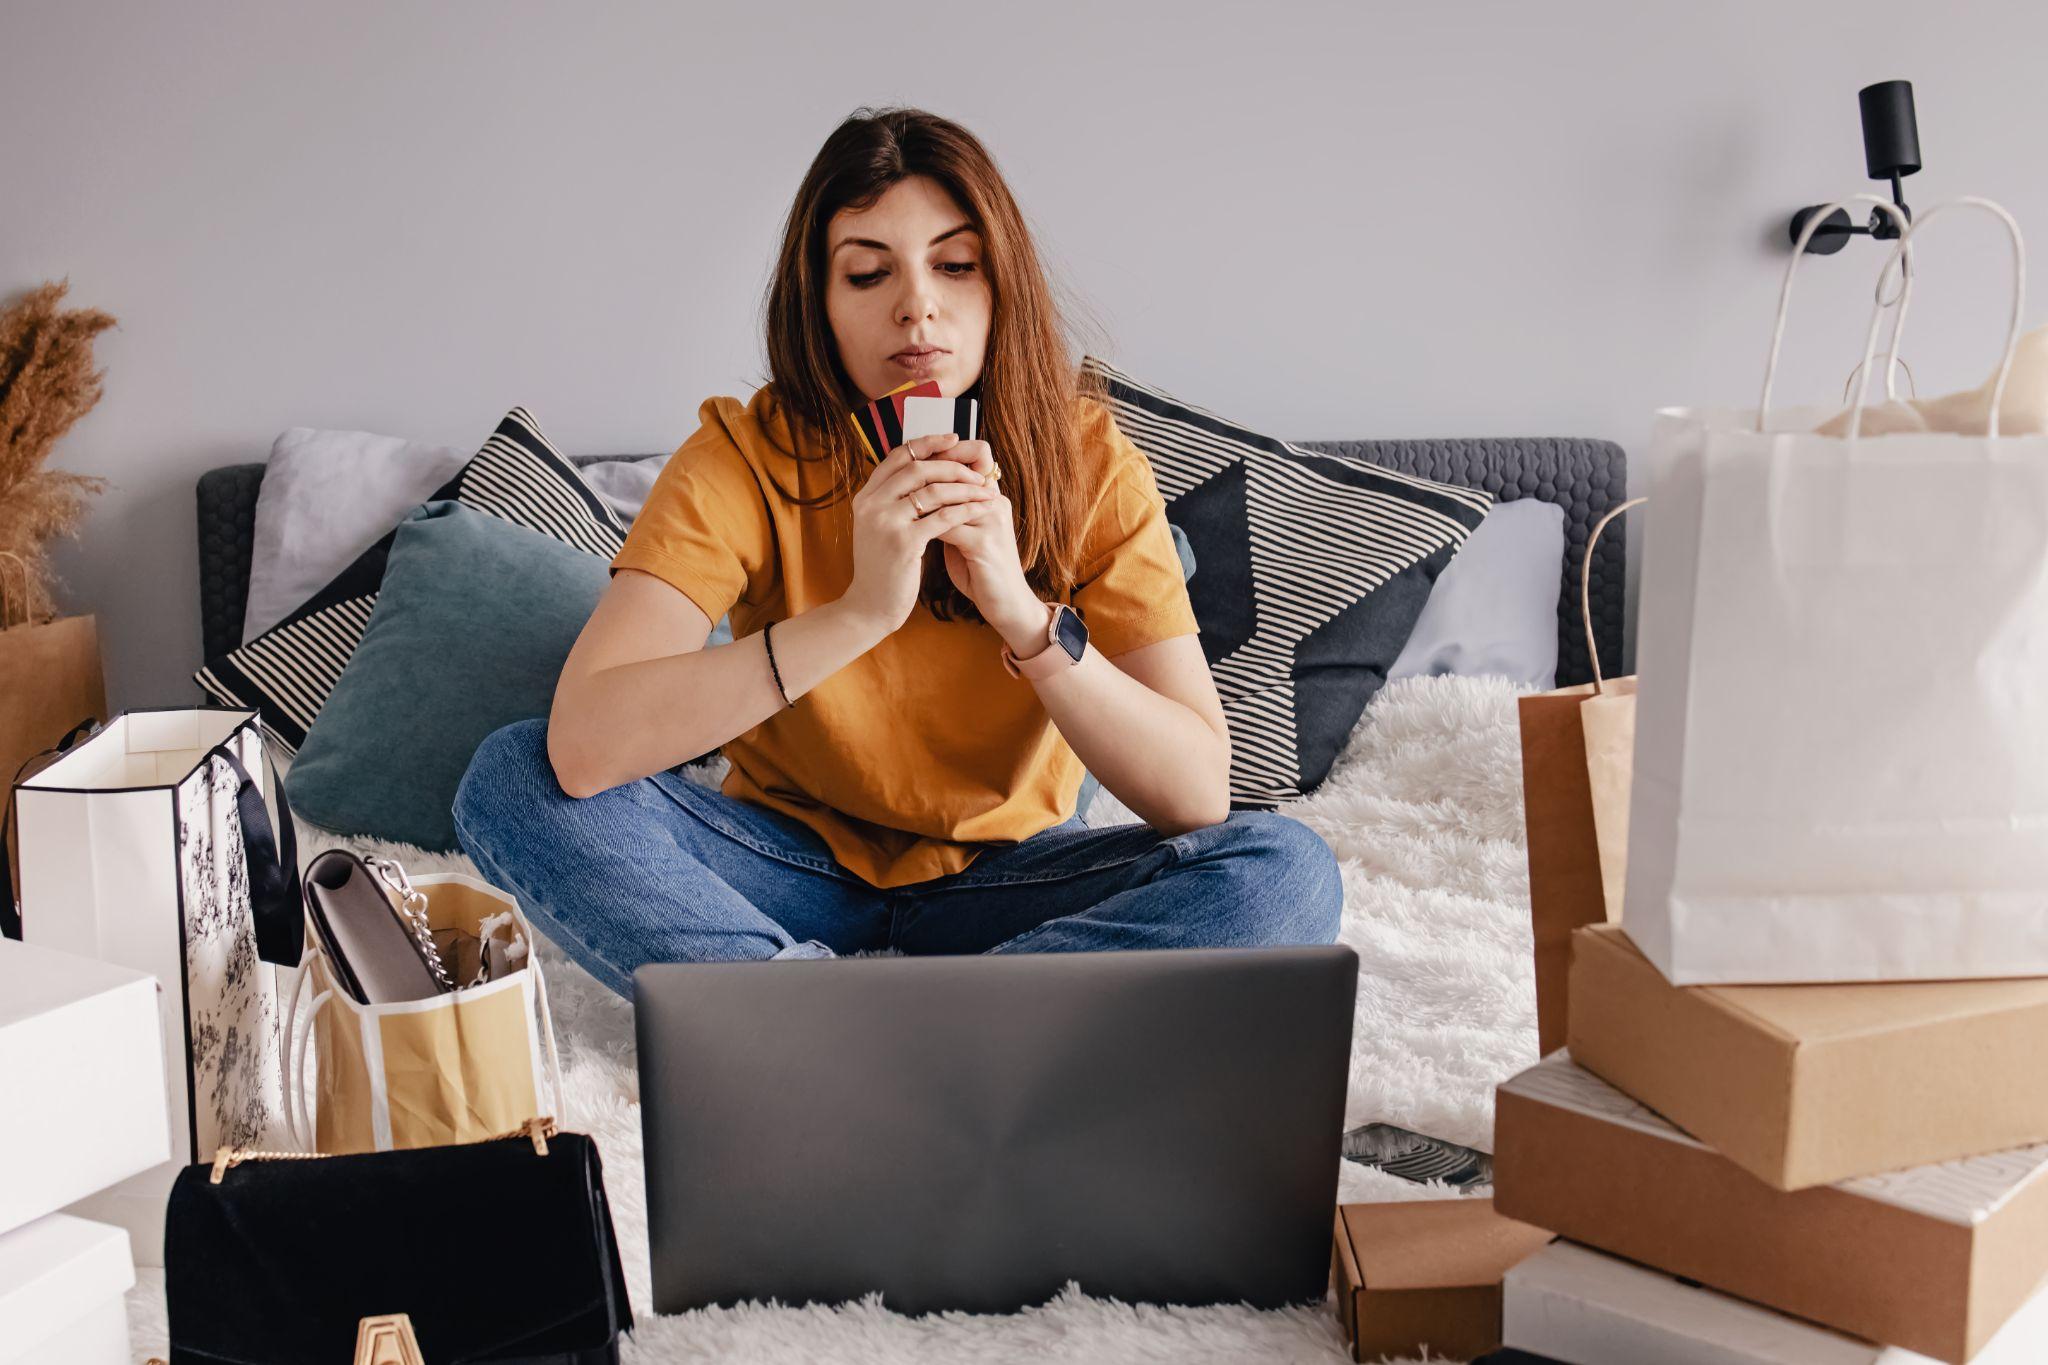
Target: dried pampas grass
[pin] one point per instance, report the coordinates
(47, 383)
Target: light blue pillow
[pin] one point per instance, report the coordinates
(1493, 610)
(472, 625)
(1186, 551)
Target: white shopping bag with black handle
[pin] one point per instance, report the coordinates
(151, 845)
(1841, 759)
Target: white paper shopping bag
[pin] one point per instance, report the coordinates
(150, 845)
(1841, 762)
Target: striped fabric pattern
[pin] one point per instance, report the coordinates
(287, 673)
(1337, 554)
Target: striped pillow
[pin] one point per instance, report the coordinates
(287, 672)
(1314, 570)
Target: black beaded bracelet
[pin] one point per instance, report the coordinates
(771, 664)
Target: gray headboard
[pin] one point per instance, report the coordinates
(1585, 477)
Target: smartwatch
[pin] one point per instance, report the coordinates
(1066, 636)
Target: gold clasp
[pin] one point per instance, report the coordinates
(539, 1130)
(387, 1340)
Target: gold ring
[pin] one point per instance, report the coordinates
(918, 505)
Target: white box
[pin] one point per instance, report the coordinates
(81, 1066)
(61, 1282)
(1573, 1303)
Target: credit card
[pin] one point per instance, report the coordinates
(880, 421)
(930, 416)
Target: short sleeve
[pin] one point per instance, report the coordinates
(1131, 591)
(705, 528)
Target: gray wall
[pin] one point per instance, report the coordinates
(1328, 220)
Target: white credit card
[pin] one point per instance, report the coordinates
(926, 416)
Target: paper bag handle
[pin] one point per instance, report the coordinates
(274, 893)
(2012, 333)
(1586, 585)
(298, 1119)
(1813, 222)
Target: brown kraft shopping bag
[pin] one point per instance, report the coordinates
(1576, 747)
(50, 680)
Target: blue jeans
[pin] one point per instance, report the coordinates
(665, 870)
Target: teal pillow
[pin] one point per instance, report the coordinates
(472, 625)
(1186, 551)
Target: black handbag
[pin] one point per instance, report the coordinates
(499, 1251)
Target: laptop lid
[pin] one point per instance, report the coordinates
(971, 1132)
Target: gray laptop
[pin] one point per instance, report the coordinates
(971, 1132)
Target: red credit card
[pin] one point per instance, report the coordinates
(880, 422)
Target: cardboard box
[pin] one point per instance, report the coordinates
(1934, 1259)
(1807, 1085)
(1571, 1303)
(61, 1282)
(1424, 1272)
(82, 1074)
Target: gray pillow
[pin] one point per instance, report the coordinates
(326, 497)
(1493, 610)
(472, 625)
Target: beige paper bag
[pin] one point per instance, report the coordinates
(1609, 720)
(1576, 750)
(50, 680)
(459, 1067)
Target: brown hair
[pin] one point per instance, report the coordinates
(1029, 387)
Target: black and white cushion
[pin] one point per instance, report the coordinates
(287, 672)
(1314, 569)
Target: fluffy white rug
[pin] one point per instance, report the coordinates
(1423, 809)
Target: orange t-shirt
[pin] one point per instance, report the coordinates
(912, 758)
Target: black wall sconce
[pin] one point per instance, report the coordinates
(1891, 151)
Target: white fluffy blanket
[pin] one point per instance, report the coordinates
(1424, 811)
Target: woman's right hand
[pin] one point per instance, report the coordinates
(889, 535)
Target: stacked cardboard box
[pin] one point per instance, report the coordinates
(1870, 1158)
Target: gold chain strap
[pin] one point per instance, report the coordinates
(536, 1130)
(412, 908)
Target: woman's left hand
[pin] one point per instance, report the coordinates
(981, 552)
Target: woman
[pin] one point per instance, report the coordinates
(896, 780)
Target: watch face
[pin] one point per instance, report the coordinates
(1072, 633)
